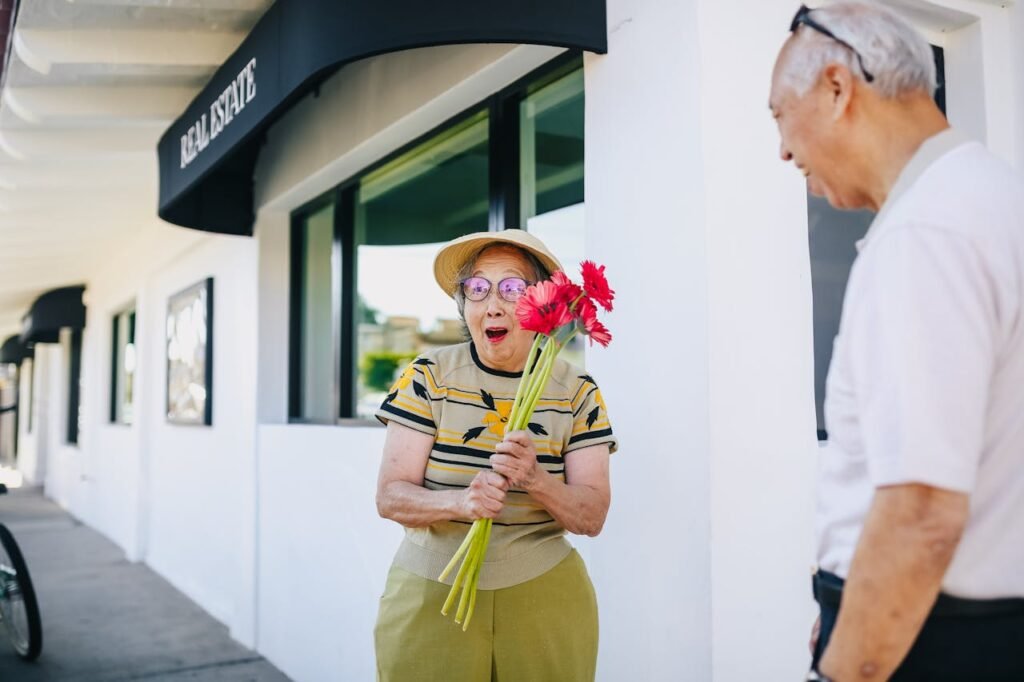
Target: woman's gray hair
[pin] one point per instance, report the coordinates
(539, 272)
(898, 57)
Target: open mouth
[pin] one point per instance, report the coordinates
(496, 334)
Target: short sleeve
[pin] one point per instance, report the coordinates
(922, 338)
(590, 425)
(410, 401)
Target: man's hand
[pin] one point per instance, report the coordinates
(908, 541)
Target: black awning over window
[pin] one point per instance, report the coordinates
(207, 156)
(13, 351)
(53, 311)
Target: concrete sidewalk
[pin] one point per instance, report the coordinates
(106, 619)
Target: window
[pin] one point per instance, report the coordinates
(833, 235)
(314, 362)
(73, 357)
(551, 174)
(122, 380)
(363, 300)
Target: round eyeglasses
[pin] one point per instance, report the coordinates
(478, 288)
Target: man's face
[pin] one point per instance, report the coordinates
(811, 137)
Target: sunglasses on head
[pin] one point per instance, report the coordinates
(478, 288)
(803, 16)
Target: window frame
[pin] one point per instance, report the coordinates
(502, 109)
(116, 359)
(74, 397)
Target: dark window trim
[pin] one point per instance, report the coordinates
(504, 213)
(74, 389)
(115, 359)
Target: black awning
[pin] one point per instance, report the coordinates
(13, 351)
(207, 156)
(53, 311)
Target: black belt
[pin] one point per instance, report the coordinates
(828, 591)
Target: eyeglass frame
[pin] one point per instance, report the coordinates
(493, 287)
(803, 16)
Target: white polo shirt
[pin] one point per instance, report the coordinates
(927, 377)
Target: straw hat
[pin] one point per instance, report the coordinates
(453, 256)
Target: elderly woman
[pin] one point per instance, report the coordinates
(448, 461)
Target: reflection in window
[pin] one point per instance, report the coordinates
(189, 359)
(316, 372)
(405, 211)
(551, 174)
(123, 373)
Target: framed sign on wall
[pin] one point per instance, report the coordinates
(190, 355)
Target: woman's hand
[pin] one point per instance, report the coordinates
(485, 496)
(516, 460)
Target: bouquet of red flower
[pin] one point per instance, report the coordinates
(558, 310)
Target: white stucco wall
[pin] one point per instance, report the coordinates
(702, 569)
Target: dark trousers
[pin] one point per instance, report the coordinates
(961, 641)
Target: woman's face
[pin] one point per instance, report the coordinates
(492, 323)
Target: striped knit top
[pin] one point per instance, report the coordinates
(449, 394)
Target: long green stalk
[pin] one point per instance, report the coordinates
(539, 382)
(472, 562)
(527, 374)
(458, 553)
(461, 575)
(476, 574)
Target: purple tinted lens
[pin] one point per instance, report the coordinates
(512, 289)
(476, 288)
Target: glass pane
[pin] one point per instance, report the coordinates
(317, 345)
(124, 367)
(551, 147)
(833, 235)
(551, 175)
(404, 212)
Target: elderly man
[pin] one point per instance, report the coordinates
(921, 512)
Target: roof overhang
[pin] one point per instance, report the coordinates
(207, 156)
(13, 351)
(51, 312)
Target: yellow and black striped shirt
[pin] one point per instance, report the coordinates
(449, 394)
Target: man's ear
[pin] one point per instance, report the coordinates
(839, 84)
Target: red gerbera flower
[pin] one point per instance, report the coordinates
(596, 284)
(543, 308)
(567, 290)
(586, 313)
(598, 332)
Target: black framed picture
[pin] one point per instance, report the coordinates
(190, 355)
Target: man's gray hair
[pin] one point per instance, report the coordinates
(899, 58)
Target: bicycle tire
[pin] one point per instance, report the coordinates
(33, 645)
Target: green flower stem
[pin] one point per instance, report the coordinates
(527, 374)
(539, 382)
(476, 575)
(458, 554)
(474, 531)
(472, 564)
(525, 412)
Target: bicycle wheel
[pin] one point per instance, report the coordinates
(19, 609)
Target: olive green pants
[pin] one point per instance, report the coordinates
(544, 630)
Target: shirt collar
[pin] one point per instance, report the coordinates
(930, 151)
